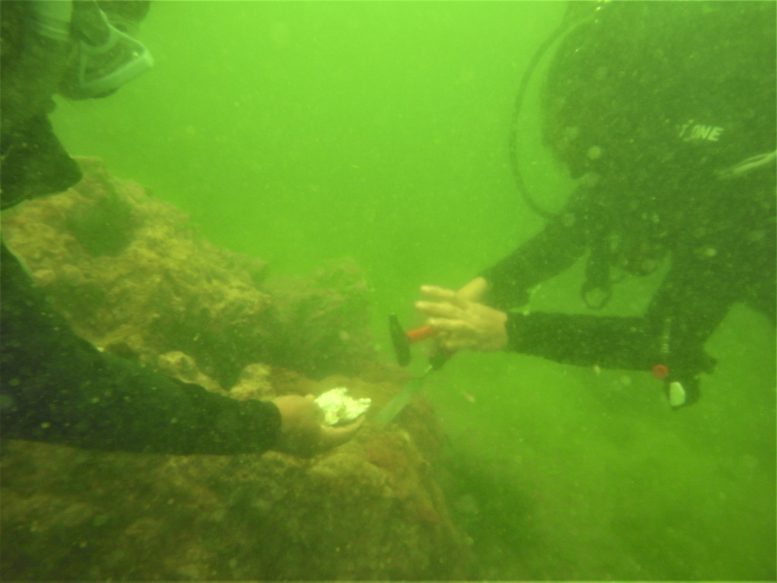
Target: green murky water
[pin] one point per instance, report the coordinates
(304, 131)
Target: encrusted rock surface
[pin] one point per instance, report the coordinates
(132, 278)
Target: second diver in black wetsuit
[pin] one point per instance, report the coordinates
(665, 113)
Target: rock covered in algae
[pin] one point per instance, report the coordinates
(153, 291)
(134, 278)
(371, 509)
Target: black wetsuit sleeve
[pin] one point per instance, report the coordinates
(686, 309)
(582, 340)
(56, 387)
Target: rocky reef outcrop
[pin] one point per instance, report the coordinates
(132, 277)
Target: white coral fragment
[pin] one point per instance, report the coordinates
(338, 407)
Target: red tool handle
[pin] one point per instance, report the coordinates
(419, 334)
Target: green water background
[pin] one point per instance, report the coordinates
(302, 132)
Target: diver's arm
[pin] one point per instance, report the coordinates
(668, 341)
(687, 308)
(56, 387)
(610, 342)
(670, 336)
(463, 324)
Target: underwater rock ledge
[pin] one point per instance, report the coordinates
(133, 278)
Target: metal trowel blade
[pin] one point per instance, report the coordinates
(396, 405)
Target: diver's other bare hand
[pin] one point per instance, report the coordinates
(461, 323)
(302, 431)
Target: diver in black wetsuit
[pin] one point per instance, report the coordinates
(665, 113)
(55, 386)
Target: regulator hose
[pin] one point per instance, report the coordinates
(565, 28)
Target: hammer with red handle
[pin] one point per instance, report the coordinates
(402, 339)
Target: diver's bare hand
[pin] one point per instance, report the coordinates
(302, 431)
(462, 323)
(474, 290)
